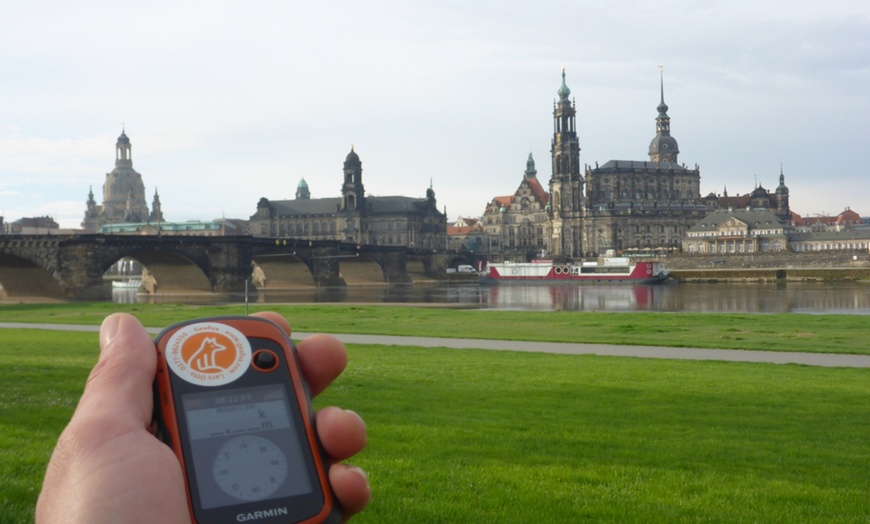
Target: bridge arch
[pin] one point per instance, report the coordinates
(361, 270)
(166, 271)
(281, 271)
(23, 277)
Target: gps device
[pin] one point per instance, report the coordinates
(231, 402)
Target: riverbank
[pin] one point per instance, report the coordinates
(788, 274)
(791, 332)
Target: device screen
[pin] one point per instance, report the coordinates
(244, 446)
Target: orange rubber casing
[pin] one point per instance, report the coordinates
(166, 406)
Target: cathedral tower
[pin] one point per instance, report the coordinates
(663, 147)
(566, 185)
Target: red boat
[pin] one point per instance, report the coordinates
(607, 270)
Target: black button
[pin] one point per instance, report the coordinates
(265, 360)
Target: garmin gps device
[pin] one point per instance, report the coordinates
(231, 402)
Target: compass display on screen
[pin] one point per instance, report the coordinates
(249, 467)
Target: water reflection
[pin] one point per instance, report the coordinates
(848, 298)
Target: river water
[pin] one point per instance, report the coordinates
(793, 297)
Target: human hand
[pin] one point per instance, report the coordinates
(109, 467)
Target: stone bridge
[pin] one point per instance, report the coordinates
(73, 266)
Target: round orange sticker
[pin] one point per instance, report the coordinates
(208, 353)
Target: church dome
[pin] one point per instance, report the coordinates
(302, 184)
(352, 157)
(663, 144)
(123, 139)
(564, 92)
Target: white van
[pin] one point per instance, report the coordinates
(465, 269)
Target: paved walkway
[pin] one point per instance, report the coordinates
(729, 355)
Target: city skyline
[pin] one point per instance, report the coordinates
(243, 103)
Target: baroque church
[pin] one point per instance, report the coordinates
(354, 216)
(626, 205)
(622, 205)
(123, 194)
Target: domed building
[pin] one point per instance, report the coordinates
(639, 204)
(123, 194)
(353, 216)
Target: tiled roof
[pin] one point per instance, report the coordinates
(540, 193)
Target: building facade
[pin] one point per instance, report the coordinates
(627, 205)
(848, 240)
(466, 234)
(123, 194)
(737, 231)
(353, 216)
(519, 223)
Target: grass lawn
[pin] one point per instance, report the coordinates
(480, 436)
(782, 332)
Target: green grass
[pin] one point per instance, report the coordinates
(782, 332)
(43, 374)
(472, 436)
(479, 436)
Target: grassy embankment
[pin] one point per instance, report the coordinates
(780, 332)
(468, 436)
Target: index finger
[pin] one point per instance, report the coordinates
(321, 357)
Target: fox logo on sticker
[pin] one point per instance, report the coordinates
(205, 359)
(208, 353)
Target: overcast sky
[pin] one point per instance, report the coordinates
(227, 102)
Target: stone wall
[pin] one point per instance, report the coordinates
(768, 260)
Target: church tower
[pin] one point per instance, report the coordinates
(352, 191)
(156, 209)
(782, 208)
(566, 185)
(663, 147)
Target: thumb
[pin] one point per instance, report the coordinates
(119, 386)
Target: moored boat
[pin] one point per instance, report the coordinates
(127, 283)
(606, 270)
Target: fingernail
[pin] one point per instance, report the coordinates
(361, 472)
(109, 329)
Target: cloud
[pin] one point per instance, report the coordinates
(226, 102)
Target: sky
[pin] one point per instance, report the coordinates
(227, 102)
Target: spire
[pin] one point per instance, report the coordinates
(531, 172)
(663, 107)
(563, 91)
(430, 193)
(663, 147)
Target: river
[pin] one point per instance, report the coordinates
(793, 297)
